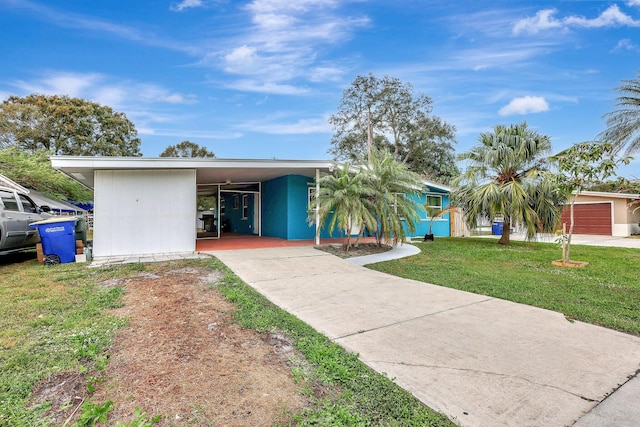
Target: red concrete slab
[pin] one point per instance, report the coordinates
(231, 242)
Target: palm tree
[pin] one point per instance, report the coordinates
(342, 199)
(506, 176)
(623, 125)
(392, 186)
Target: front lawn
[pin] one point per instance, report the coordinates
(606, 292)
(60, 325)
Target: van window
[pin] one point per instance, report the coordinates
(9, 201)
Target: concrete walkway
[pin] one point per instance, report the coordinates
(480, 360)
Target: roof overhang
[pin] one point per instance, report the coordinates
(208, 170)
(609, 195)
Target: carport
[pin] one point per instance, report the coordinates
(150, 205)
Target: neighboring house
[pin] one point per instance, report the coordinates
(162, 205)
(604, 213)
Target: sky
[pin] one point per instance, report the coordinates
(259, 79)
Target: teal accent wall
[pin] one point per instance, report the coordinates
(274, 208)
(298, 197)
(285, 209)
(441, 225)
(233, 217)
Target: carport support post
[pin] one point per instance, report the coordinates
(317, 208)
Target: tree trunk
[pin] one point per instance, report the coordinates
(568, 252)
(506, 231)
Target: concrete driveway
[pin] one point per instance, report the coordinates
(480, 360)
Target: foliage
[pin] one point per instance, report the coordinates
(93, 413)
(434, 213)
(66, 126)
(506, 176)
(186, 149)
(376, 197)
(34, 171)
(366, 398)
(400, 123)
(623, 124)
(581, 165)
(54, 321)
(343, 200)
(607, 293)
(391, 201)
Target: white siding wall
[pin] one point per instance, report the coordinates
(144, 212)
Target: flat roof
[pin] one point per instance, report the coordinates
(208, 170)
(610, 195)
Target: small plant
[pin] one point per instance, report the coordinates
(93, 413)
(433, 213)
(140, 419)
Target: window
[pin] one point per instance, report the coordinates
(236, 202)
(222, 205)
(394, 203)
(245, 206)
(27, 204)
(9, 201)
(434, 203)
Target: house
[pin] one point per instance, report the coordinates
(145, 205)
(603, 213)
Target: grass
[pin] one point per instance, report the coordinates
(605, 293)
(366, 399)
(53, 320)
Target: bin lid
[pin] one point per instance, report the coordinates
(54, 220)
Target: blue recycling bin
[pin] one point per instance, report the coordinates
(497, 228)
(58, 238)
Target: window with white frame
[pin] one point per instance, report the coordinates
(394, 202)
(236, 201)
(223, 206)
(433, 203)
(245, 206)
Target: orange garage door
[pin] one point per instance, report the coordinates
(592, 218)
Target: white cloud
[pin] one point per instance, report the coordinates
(275, 126)
(101, 88)
(87, 23)
(185, 4)
(189, 133)
(525, 105)
(633, 3)
(626, 44)
(284, 44)
(249, 85)
(545, 20)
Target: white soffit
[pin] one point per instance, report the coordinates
(208, 170)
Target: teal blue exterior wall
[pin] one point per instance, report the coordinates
(274, 208)
(285, 209)
(234, 220)
(441, 225)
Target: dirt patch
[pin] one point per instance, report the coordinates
(182, 357)
(361, 250)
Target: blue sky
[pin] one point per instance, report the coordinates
(258, 79)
